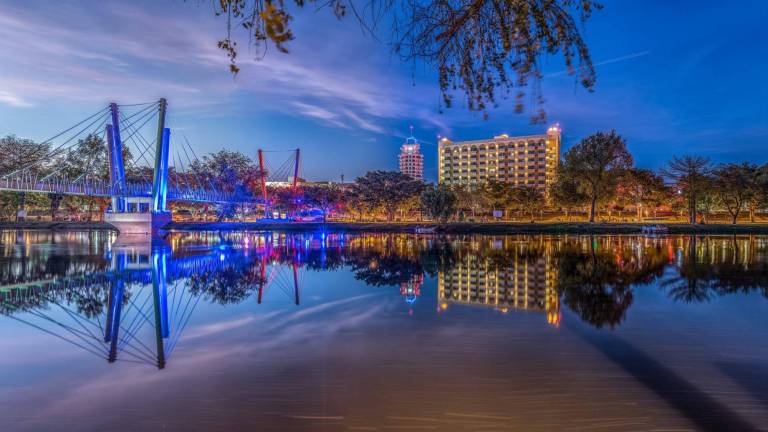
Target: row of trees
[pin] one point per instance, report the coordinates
(599, 173)
(596, 176)
(88, 157)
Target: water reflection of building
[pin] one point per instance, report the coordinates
(518, 278)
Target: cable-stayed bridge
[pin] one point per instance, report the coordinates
(140, 187)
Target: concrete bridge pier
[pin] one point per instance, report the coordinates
(138, 219)
(150, 224)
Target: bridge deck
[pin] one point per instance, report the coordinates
(103, 190)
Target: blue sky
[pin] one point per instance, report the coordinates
(673, 78)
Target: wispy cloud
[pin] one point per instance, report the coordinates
(319, 113)
(113, 51)
(11, 99)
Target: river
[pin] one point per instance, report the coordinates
(380, 331)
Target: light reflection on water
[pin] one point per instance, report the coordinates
(335, 332)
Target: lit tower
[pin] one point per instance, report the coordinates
(551, 156)
(411, 159)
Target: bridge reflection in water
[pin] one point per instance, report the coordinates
(124, 302)
(112, 301)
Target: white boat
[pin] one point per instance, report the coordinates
(425, 230)
(655, 229)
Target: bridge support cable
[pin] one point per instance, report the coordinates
(295, 281)
(189, 176)
(263, 176)
(82, 339)
(289, 284)
(189, 190)
(262, 278)
(100, 114)
(56, 335)
(42, 175)
(143, 146)
(120, 298)
(176, 180)
(296, 173)
(121, 126)
(53, 182)
(288, 171)
(140, 113)
(137, 322)
(139, 124)
(212, 193)
(182, 318)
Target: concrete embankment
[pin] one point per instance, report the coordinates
(468, 228)
(450, 228)
(56, 226)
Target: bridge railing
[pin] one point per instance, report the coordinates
(31, 183)
(24, 182)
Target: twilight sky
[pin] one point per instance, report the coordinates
(673, 78)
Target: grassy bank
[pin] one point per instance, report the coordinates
(472, 228)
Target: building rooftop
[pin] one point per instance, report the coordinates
(444, 141)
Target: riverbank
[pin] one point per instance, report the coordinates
(394, 227)
(470, 228)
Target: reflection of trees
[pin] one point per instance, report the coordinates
(441, 255)
(717, 266)
(89, 299)
(383, 269)
(327, 259)
(93, 302)
(39, 266)
(393, 259)
(593, 276)
(380, 260)
(226, 285)
(18, 306)
(596, 282)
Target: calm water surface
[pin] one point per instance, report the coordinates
(271, 331)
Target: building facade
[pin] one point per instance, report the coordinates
(411, 159)
(522, 160)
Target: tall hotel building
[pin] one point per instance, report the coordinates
(522, 160)
(411, 159)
